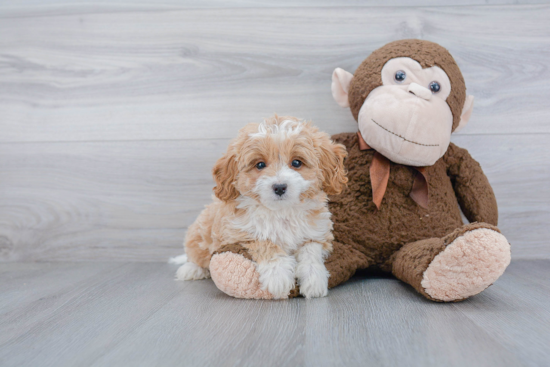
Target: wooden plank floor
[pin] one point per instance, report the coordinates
(135, 314)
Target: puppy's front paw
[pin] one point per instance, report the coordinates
(277, 276)
(313, 280)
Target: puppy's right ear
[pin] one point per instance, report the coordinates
(225, 173)
(341, 80)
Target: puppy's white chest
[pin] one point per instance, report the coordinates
(286, 228)
(288, 233)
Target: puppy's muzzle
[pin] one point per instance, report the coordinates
(279, 189)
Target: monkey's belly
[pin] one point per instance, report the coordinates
(378, 233)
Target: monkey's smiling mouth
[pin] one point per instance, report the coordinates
(405, 139)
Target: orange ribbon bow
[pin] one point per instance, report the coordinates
(380, 175)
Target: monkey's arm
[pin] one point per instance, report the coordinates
(473, 191)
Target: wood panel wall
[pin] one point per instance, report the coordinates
(112, 115)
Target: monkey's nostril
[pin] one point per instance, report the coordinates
(279, 189)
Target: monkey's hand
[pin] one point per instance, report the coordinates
(472, 188)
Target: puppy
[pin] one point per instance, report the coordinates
(271, 198)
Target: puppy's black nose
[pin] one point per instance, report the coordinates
(279, 189)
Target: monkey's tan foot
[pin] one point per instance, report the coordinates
(235, 273)
(473, 259)
(454, 267)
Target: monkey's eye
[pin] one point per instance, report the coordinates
(260, 165)
(400, 76)
(296, 163)
(435, 87)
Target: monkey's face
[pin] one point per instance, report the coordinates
(407, 118)
(408, 97)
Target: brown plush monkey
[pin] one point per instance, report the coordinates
(400, 213)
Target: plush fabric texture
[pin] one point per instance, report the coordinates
(235, 274)
(410, 263)
(456, 179)
(368, 75)
(402, 237)
(467, 266)
(234, 248)
(426, 246)
(380, 174)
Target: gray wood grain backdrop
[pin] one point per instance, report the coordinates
(112, 115)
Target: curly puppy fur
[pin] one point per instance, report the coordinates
(272, 206)
(430, 247)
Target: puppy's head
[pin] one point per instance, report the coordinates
(279, 163)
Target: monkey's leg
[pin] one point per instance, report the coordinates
(234, 272)
(343, 262)
(455, 267)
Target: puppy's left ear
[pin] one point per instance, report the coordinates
(331, 161)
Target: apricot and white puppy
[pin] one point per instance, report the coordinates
(271, 198)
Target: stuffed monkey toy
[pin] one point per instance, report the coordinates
(400, 213)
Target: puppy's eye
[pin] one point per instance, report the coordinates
(435, 87)
(260, 165)
(400, 76)
(296, 163)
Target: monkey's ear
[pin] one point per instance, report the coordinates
(341, 80)
(466, 113)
